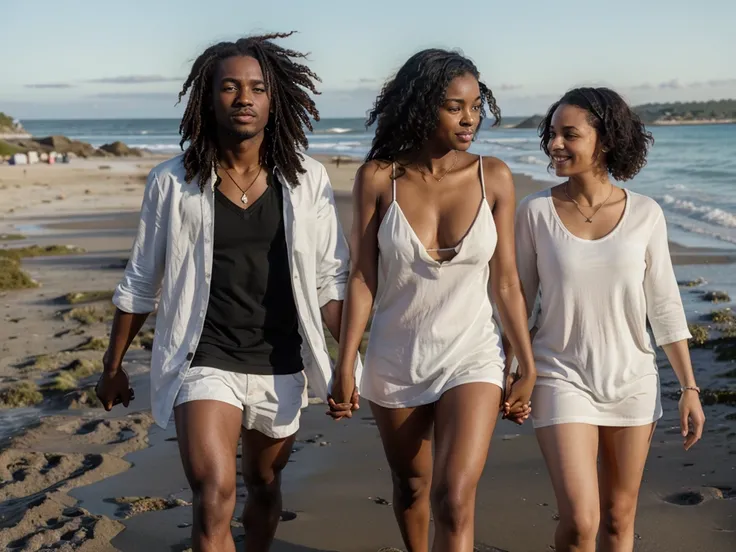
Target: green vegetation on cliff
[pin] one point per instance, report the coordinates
(720, 110)
(6, 120)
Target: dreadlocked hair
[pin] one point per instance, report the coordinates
(407, 109)
(287, 82)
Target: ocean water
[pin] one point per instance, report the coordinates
(691, 170)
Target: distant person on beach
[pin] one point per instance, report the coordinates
(239, 239)
(598, 256)
(432, 242)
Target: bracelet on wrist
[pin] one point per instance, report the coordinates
(690, 388)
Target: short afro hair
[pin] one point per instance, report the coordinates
(623, 139)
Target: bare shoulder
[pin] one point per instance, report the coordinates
(372, 178)
(499, 181)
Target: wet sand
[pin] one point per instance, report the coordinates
(79, 476)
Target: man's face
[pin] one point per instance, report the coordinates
(241, 99)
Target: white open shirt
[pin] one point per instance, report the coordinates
(170, 267)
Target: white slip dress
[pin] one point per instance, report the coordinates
(433, 326)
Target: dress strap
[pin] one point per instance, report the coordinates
(482, 180)
(393, 181)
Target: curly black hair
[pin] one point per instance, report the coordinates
(622, 138)
(287, 82)
(407, 109)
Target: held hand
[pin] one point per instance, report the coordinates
(509, 379)
(113, 388)
(517, 403)
(692, 418)
(344, 398)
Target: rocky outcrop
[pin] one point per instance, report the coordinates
(118, 149)
(532, 122)
(62, 144)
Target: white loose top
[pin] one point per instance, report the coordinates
(170, 267)
(596, 297)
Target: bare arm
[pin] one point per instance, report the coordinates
(362, 282)
(667, 318)
(678, 354)
(692, 418)
(125, 326)
(332, 316)
(138, 293)
(505, 283)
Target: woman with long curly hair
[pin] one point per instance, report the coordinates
(433, 230)
(598, 253)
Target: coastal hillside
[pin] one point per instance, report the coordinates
(719, 111)
(675, 113)
(8, 126)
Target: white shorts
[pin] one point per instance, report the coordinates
(270, 404)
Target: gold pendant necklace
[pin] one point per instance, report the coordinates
(587, 218)
(446, 172)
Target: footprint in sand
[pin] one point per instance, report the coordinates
(74, 527)
(685, 498)
(696, 497)
(287, 515)
(24, 473)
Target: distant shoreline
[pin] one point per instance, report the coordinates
(692, 122)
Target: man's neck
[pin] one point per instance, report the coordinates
(243, 156)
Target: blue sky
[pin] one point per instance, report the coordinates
(82, 58)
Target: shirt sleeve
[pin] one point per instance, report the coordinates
(664, 304)
(526, 260)
(333, 254)
(140, 287)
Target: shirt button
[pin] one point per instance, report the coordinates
(190, 356)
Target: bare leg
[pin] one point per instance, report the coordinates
(623, 455)
(464, 420)
(406, 435)
(570, 451)
(208, 433)
(263, 460)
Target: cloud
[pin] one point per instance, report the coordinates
(721, 82)
(173, 96)
(47, 85)
(676, 84)
(673, 84)
(135, 79)
(509, 87)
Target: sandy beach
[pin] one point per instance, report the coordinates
(73, 477)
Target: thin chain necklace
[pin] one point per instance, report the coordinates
(577, 205)
(446, 172)
(244, 197)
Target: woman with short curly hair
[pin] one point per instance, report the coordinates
(433, 227)
(598, 256)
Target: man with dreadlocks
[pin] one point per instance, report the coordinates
(239, 239)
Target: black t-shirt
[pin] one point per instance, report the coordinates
(251, 324)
